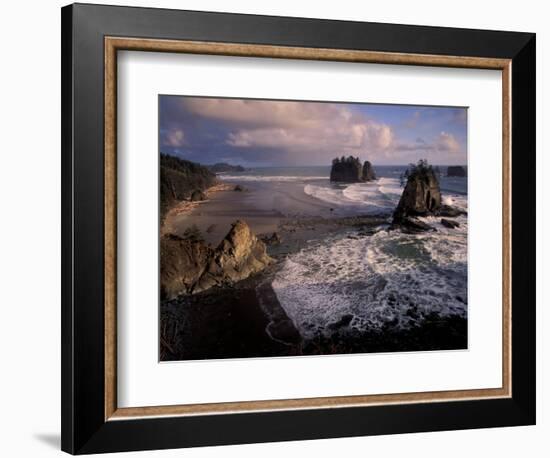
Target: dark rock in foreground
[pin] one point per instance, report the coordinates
(456, 171)
(189, 265)
(183, 261)
(350, 170)
(450, 212)
(449, 223)
(412, 225)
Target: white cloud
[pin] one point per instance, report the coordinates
(323, 129)
(174, 137)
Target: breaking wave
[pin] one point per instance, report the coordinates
(389, 278)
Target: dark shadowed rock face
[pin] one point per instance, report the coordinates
(183, 261)
(179, 179)
(368, 172)
(449, 223)
(421, 196)
(350, 170)
(456, 171)
(189, 266)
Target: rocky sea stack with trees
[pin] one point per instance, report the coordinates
(351, 170)
(421, 197)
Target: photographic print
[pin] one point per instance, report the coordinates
(297, 228)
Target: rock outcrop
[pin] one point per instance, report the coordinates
(350, 170)
(450, 224)
(182, 262)
(456, 171)
(179, 179)
(421, 196)
(237, 257)
(191, 266)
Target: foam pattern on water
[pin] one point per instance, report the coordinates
(388, 279)
(381, 195)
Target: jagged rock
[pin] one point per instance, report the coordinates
(421, 197)
(183, 261)
(237, 257)
(456, 171)
(197, 195)
(190, 265)
(449, 224)
(368, 172)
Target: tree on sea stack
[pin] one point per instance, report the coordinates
(350, 170)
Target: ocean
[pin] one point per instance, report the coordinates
(387, 279)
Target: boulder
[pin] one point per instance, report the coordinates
(456, 171)
(412, 225)
(197, 195)
(450, 211)
(368, 172)
(183, 261)
(239, 188)
(237, 257)
(449, 223)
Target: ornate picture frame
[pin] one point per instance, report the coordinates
(92, 37)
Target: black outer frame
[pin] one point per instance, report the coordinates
(84, 429)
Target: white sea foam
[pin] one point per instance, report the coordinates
(381, 195)
(388, 278)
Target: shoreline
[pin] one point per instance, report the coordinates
(246, 319)
(185, 207)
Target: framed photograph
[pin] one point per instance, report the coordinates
(281, 228)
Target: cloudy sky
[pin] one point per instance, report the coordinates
(287, 133)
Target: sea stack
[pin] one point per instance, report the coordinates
(456, 171)
(368, 172)
(350, 170)
(421, 197)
